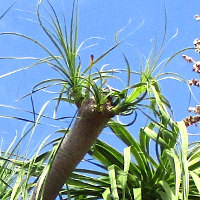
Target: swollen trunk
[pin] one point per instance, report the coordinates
(75, 146)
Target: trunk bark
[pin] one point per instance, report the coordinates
(75, 146)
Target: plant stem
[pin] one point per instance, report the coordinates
(74, 147)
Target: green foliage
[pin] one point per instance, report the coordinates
(138, 175)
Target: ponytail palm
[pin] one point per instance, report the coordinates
(137, 173)
(97, 103)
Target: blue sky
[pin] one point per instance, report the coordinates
(97, 19)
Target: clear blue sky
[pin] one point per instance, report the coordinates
(97, 19)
